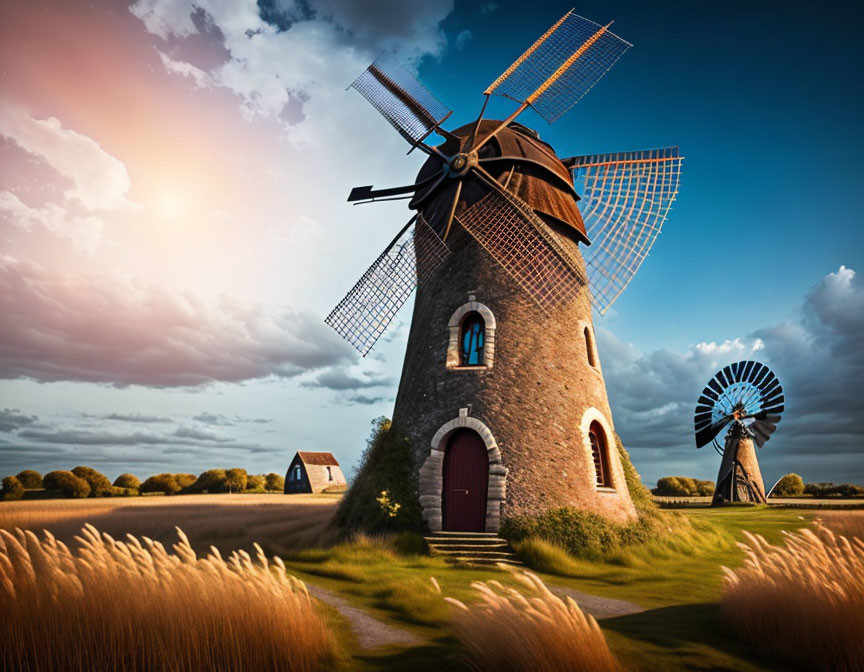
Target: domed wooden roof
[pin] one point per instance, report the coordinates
(528, 167)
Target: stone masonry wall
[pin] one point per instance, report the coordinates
(534, 398)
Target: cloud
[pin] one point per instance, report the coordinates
(462, 39)
(113, 329)
(818, 358)
(84, 232)
(364, 399)
(276, 48)
(213, 419)
(136, 417)
(340, 380)
(202, 79)
(201, 435)
(99, 181)
(12, 419)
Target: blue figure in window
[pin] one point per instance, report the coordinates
(473, 329)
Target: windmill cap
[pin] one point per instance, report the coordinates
(542, 180)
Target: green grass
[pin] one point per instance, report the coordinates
(677, 579)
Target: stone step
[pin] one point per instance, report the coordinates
(465, 542)
(477, 552)
(470, 560)
(467, 548)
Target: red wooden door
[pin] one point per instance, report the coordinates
(466, 476)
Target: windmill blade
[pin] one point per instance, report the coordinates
(560, 67)
(400, 98)
(365, 312)
(513, 234)
(745, 390)
(626, 197)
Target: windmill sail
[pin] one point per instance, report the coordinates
(626, 197)
(560, 67)
(400, 98)
(366, 311)
(513, 235)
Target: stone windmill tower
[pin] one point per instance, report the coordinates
(502, 393)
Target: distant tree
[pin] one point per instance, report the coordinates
(12, 489)
(129, 481)
(212, 480)
(791, 485)
(833, 490)
(185, 481)
(274, 482)
(235, 479)
(255, 483)
(99, 484)
(30, 479)
(166, 483)
(67, 483)
(683, 486)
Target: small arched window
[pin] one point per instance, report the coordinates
(589, 347)
(473, 336)
(600, 454)
(297, 473)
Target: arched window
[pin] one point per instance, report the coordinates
(600, 454)
(589, 347)
(473, 335)
(297, 473)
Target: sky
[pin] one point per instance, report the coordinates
(173, 224)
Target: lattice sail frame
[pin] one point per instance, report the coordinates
(626, 198)
(515, 237)
(363, 315)
(749, 386)
(402, 100)
(561, 67)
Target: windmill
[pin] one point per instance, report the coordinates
(748, 396)
(494, 247)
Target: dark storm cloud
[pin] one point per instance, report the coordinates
(374, 25)
(12, 419)
(339, 380)
(122, 332)
(817, 356)
(136, 417)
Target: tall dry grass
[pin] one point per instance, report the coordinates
(802, 602)
(509, 632)
(134, 607)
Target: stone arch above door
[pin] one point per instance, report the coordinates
(432, 477)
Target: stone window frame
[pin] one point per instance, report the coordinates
(589, 338)
(589, 417)
(432, 473)
(454, 355)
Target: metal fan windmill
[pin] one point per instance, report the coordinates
(490, 352)
(748, 396)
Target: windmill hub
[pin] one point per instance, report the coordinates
(461, 163)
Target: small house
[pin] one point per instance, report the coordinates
(314, 472)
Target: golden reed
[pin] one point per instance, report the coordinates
(802, 602)
(133, 607)
(507, 631)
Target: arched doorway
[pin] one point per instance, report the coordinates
(466, 479)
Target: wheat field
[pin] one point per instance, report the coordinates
(505, 631)
(279, 523)
(133, 606)
(802, 602)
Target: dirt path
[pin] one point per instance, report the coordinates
(370, 631)
(598, 607)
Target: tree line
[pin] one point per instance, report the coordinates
(87, 482)
(791, 485)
